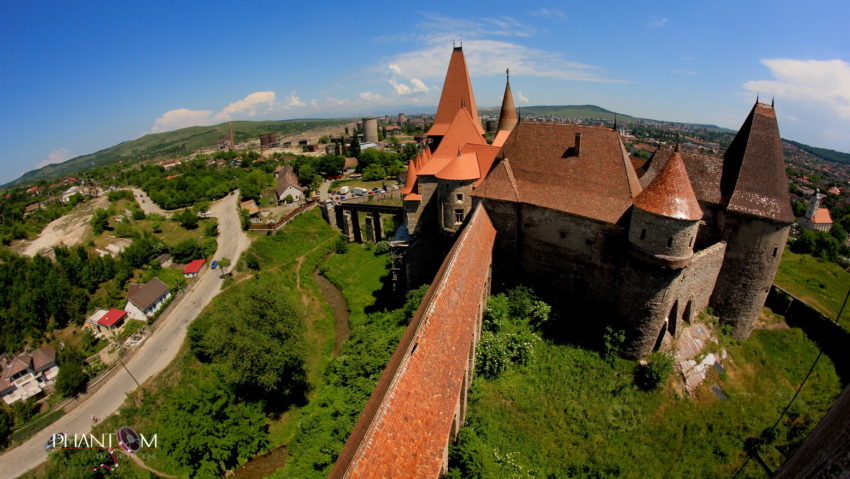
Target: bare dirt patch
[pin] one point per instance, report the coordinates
(68, 230)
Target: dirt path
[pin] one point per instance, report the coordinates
(339, 308)
(68, 230)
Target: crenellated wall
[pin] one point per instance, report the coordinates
(419, 403)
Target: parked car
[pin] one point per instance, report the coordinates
(58, 438)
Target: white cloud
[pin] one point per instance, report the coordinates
(292, 101)
(522, 98)
(491, 57)
(655, 23)
(336, 101)
(181, 118)
(249, 104)
(314, 103)
(394, 68)
(825, 82)
(56, 156)
(418, 86)
(550, 13)
(368, 96)
(814, 95)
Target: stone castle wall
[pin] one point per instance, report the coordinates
(654, 300)
(753, 254)
(447, 193)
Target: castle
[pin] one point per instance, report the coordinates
(650, 246)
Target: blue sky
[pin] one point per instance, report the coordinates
(82, 76)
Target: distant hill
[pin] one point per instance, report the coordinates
(824, 153)
(171, 143)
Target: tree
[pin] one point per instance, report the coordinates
(187, 250)
(355, 147)
(374, 172)
(72, 378)
(187, 219)
(211, 228)
(100, 221)
(839, 233)
(5, 427)
(256, 342)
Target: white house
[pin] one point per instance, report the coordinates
(144, 300)
(28, 374)
(287, 184)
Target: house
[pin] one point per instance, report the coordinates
(392, 130)
(113, 319)
(69, 193)
(28, 375)
(32, 208)
(145, 300)
(350, 165)
(287, 185)
(251, 206)
(193, 268)
(816, 218)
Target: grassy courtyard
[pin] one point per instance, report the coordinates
(819, 283)
(570, 413)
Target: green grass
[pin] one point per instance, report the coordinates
(819, 283)
(357, 274)
(569, 413)
(173, 278)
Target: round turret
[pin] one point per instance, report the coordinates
(666, 215)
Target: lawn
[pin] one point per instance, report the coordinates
(570, 413)
(357, 274)
(819, 283)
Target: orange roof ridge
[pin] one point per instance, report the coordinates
(457, 94)
(410, 178)
(510, 172)
(461, 132)
(670, 194)
(631, 175)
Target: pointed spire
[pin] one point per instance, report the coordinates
(508, 117)
(615, 121)
(670, 194)
(677, 143)
(457, 94)
(771, 101)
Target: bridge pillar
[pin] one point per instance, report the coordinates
(355, 226)
(370, 228)
(379, 227)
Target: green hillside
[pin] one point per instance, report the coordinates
(824, 153)
(573, 111)
(171, 143)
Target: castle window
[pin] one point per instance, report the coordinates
(563, 234)
(642, 234)
(775, 250)
(460, 197)
(670, 242)
(691, 242)
(458, 216)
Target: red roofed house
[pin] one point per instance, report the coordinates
(113, 318)
(28, 374)
(193, 268)
(145, 300)
(816, 218)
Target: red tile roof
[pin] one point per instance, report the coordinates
(460, 133)
(194, 266)
(543, 170)
(463, 167)
(406, 425)
(410, 179)
(507, 116)
(822, 216)
(112, 316)
(670, 193)
(457, 93)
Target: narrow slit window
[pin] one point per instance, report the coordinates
(670, 242)
(775, 250)
(642, 234)
(563, 235)
(459, 197)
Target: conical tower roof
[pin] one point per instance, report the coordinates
(457, 94)
(753, 178)
(508, 116)
(670, 194)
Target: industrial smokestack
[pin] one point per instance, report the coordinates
(578, 144)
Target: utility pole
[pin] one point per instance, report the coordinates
(121, 350)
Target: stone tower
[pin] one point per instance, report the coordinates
(663, 227)
(754, 219)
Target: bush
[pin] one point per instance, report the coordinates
(187, 219)
(211, 228)
(382, 247)
(341, 245)
(497, 313)
(655, 372)
(614, 339)
(288, 199)
(120, 195)
(252, 263)
(491, 356)
(99, 221)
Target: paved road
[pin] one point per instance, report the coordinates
(148, 206)
(323, 190)
(159, 350)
